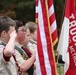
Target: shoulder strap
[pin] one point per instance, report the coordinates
(2, 44)
(24, 55)
(18, 67)
(19, 71)
(20, 51)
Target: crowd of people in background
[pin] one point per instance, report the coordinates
(18, 45)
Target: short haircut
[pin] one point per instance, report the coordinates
(18, 24)
(5, 23)
(31, 26)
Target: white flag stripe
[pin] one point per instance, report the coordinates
(51, 10)
(38, 70)
(36, 9)
(43, 40)
(53, 26)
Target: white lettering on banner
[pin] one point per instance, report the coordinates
(74, 38)
(72, 27)
(72, 24)
(73, 31)
(72, 16)
(72, 50)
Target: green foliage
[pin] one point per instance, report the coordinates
(25, 9)
(59, 11)
(18, 9)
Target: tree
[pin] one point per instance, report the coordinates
(18, 9)
(59, 6)
(25, 10)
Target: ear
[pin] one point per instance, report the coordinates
(3, 34)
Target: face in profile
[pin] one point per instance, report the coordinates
(34, 35)
(27, 37)
(21, 34)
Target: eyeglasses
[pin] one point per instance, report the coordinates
(23, 30)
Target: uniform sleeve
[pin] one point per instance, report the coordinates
(19, 58)
(7, 59)
(31, 47)
(2, 56)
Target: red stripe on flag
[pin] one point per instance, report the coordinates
(40, 54)
(50, 3)
(48, 40)
(36, 15)
(54, 35)
(36, 2)
(52, 19)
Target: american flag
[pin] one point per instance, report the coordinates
(52, 20)
(47, 37)
(53, 26)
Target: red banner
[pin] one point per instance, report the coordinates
(72, 40)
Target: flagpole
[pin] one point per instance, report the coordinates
(49, 33)
(75, 2)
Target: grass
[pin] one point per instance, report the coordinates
(60, 69)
